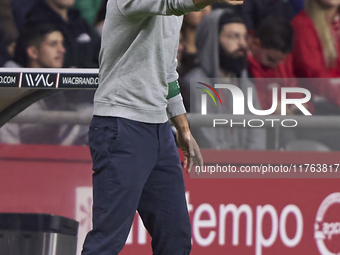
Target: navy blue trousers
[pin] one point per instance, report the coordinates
(136, 167)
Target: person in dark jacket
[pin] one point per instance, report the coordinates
(82, 43)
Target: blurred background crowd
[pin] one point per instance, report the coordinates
(278, 40)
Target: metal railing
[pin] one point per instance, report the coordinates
(84, 118)
(272, 123)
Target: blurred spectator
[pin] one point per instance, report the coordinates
(7, 25)
(270, 63)
(88, 9)
(222, 50)
(7, 52)
(316, 52)
(316, 55)
(188, 30)
(317, 37)
(82, 43)
(269, 57)
(40, 45)
(187, 58)
(269, 48)
(255, 11)
(4, 56)
(8, 34)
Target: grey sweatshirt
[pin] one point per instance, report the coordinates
(138, 59)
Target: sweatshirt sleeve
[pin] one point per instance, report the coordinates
(175, 106)
(143, 8)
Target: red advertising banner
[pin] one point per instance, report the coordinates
(241, 216)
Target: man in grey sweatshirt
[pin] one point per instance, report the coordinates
(135, 159)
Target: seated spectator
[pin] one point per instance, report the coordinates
(40, 45)
(269, 62)
(316, 49)
(8, 34)
(222, 52)
(6, 52)
(187, 48)
(82, 43)
(269, 57)
(4, 56)
(188, 31)
(7, 25)
(316, 55)
(317, 38)
(269, 48)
